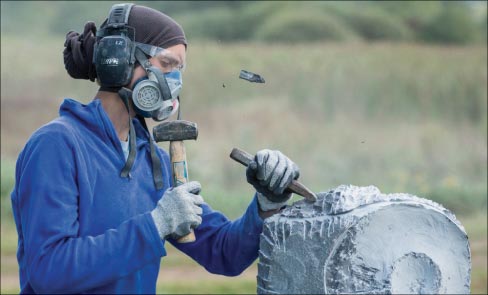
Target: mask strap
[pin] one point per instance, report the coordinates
(109, 89)
(124, 94)
(142, 121)
(162, 83)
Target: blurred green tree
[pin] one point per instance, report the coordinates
(415, 14)
(453, 24)
(72, 15)
(214, 24)
(374, 23)
(303, 26)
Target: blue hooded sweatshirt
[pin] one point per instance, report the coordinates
(84, 229)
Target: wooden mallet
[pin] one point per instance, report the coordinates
(175, 132)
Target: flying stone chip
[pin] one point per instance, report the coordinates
(356, 240)
(251, 77)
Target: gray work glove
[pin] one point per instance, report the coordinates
(178, 210)
(270, 174)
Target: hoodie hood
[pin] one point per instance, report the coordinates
(93, 117)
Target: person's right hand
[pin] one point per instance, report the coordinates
(178, 211)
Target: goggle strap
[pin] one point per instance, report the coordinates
(148, 49)
(142, 59)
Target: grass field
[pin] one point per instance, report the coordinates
(403, 117)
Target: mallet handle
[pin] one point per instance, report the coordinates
(296, 187)
(179, 170)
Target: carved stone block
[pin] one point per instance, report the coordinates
(358, 240)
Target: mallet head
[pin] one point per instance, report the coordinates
(177, 130)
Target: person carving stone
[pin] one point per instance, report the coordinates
(92, 200)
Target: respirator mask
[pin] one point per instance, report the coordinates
(156, 95)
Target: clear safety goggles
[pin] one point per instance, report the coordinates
(169, 61)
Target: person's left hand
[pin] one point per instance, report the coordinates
(270, 173)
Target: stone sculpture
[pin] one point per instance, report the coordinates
(358, 240)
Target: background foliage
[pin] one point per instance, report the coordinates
(445, 22)
(392, 94)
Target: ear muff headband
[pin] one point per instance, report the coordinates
(119, 15)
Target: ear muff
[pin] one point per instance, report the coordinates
(114, 60)
(114, 51)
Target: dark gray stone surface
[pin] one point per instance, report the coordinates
(357, 240)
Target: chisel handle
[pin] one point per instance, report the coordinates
(296, 187)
